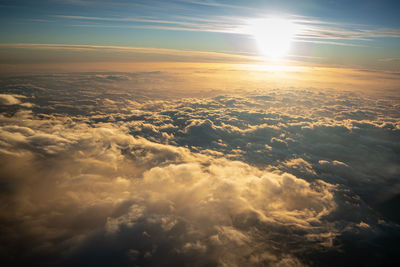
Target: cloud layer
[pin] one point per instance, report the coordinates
(95, 174)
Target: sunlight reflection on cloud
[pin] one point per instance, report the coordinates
(271, 177)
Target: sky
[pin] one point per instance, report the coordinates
(355, 34)
(199, 133)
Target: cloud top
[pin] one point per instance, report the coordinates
(110, 174)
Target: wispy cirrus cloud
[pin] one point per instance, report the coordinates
(190, 54)
(308, 29)
(392, 59)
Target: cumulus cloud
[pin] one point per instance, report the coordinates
(178, 202)
(13, 99)
(270, 178)
(8, 100)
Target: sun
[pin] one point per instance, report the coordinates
(273, 36)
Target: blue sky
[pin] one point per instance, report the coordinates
(354, 33)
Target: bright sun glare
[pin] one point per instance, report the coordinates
(273, 36)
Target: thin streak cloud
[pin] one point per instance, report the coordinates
(309, 29)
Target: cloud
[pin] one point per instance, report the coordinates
(309, 29)
(103, 178)
(201, 56)
(110, 175)
(389, 59)
(9, 99)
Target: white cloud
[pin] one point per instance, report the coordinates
(9, 99)
(132, 183)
